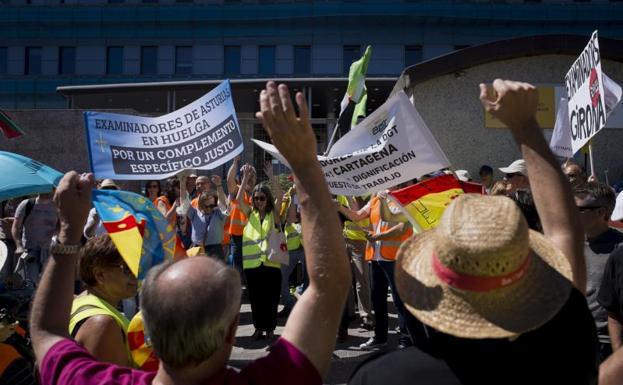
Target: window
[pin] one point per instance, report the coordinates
(413, 54)
(114, 60)
(266, 62)
(351, 53)
(116, 1)
(149, 1)
(32, 62)
(184, 60)
(149, 60)
(4, 57)
(183, 1)
(67, 60)
(302, 59)
(461, 46)
(232, 59)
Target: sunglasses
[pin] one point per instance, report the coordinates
(584, 209)
(259, 198)
(511, 175)
(153, 186)
(212, 206)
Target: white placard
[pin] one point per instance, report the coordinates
(202, 135)
(391, 146)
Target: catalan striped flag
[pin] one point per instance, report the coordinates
(8, 127)
(425, 202)
(140, 232)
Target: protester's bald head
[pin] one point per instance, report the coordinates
(188, 309)
(574, 173)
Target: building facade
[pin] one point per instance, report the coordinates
(154, 56)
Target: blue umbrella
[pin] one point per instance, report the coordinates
(21, 176)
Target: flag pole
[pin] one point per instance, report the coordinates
(590, 158)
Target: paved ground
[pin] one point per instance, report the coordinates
(345, 358)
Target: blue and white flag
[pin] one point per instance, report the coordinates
(202, 135)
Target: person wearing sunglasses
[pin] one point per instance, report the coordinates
(165, 203)
(95, 322)
(595, 202)
(263, 275)
(207, 220)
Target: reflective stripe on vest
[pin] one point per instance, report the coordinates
(388, 247)
(293, 237)
(237, 217)
(255, 241)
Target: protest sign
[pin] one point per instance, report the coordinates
(201, 135)
(585, 95)
(393, 145)
(561, 137)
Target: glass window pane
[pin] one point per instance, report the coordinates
(302, 59)
(266, 62)
(114, 60)
(413, 54)
(32, 63)
(149, 60)
(184, 60)
(3, 60)
(351, 53)
(232, 59)
(67, 61)
(116, 1)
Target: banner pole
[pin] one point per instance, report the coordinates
(590, 157)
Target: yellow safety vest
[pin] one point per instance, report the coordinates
(293, 236)
(87, 306)
(352, 230)
(255, 241)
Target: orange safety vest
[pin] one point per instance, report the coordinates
(389, 247)
(237, 218)
(8, 355)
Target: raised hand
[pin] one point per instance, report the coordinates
(73, 201)
(216, 180)
(514, 103)
(293, 136)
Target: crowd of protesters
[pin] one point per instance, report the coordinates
(520, 284)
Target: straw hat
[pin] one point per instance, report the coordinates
(482, 273)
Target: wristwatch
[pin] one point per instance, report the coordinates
(61, 249)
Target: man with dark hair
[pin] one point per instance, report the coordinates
(191, 306)
(504, 304)
(486, 177)
(595, 202)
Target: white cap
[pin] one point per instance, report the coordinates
(617, 213)
(518, 166)
(463, 175)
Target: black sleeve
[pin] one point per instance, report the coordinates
(609, 295)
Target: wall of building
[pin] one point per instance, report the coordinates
(450, 106)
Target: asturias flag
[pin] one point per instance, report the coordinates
(140, 232)
(8, 127)
(426, 201)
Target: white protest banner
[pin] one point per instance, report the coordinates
(202, 135)
(585, 93)
(391, 146)
(561, 137)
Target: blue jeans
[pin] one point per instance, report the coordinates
(382, 277)
(296, 256)
(235, 252)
